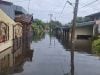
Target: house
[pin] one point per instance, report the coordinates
(11, 10)
(89, 29)
(95, 17)
(6, 31)
(26, 21)
(14, 36)
(10, 33)
(85, 31)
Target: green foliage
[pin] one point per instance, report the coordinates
(38, 26)
(96, 46)
(38, 29)
(38, 37)
(80, 19)
(54, 24)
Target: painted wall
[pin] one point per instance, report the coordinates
(6, 19)
(84, 30)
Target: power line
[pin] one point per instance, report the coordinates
(86, 5)
(89, 3)
(63, 8)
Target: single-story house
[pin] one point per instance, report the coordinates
(6, 31)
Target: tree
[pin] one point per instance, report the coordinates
(54, 24)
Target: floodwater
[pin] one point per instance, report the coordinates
(51, 57)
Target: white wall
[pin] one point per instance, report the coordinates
(88, 30)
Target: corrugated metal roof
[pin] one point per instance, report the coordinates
(89, 23)
(94, 14)
(19, 9)
(5, 2)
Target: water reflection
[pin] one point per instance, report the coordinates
(71, 65)
(38, 37)
(48, 60)
(66, 45)
(11, 63)
(55, 60)
(80, 45)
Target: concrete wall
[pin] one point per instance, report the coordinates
(84, 30)
(83, 44)
(6, 53)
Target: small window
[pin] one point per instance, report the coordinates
(4, 32)
(84, 37)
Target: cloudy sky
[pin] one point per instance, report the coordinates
(42, 8)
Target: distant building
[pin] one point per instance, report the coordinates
(84, 32)
(95, 17)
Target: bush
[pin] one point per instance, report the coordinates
(96, 46)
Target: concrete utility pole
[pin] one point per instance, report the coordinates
(51, 15)
(73, 36)
(28, 6)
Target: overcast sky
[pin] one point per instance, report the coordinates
(41, 8)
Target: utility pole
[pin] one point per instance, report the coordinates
(51, 15)
(28, 6)
(73, 35)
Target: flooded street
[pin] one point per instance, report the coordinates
(51, 58)
(49, 37)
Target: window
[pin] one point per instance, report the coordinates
(84, 37)
(17, 37)
(4, 32)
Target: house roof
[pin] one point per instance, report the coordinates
(5, 2)
(95, 14)
(5, 18)
(24, 18)
(19, 10)
(83, 24)
(90, 23)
